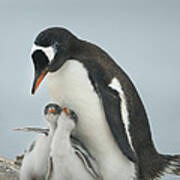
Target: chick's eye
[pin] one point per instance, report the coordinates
(73, 115)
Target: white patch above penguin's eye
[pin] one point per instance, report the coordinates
(115, 85)
(49, 51)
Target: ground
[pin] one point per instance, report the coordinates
(9, 169)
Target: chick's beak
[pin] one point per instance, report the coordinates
(51, 111)
(66, 111)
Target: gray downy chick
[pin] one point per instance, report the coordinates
(35, 162)
(69, 159)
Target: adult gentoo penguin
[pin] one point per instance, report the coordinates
(112, 120)
(68, 158)
(35, 162)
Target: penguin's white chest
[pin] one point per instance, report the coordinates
(70, 86)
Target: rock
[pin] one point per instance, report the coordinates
(9, 169)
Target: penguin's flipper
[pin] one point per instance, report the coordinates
(84, 155)
(111, 102)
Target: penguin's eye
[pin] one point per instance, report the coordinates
(73, 115)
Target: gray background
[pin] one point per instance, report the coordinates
(142, 36)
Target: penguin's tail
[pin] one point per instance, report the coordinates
(155, 165)
(172, 165)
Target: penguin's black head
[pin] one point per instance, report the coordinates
(52, 112)
(52, 47)
(52, 109)
(71, 114)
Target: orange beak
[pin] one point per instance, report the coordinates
(66, 111)
(38, 79)
(51, 111)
